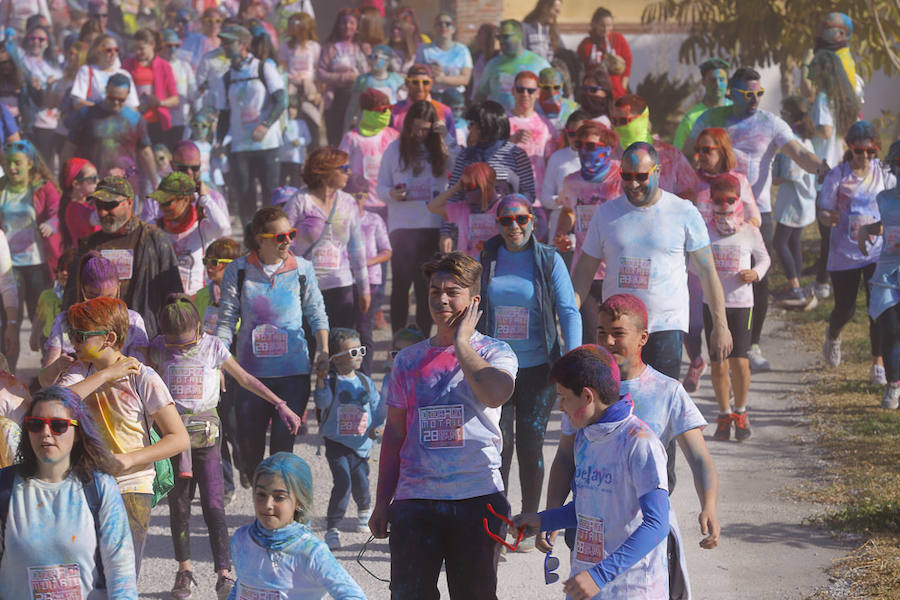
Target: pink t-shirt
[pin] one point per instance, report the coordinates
(365, 156)
(583, 197)
(541, 145)
(474, 228)
(748, 200)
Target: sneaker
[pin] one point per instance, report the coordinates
(823, 290)
(223, 586)
(691, 381)
(832, 350)
(796, 299)
(758, 362)
(723, 428)
(877, 375)
(362, 525)
(229, 496)
(182, 587)
(891, 398)
(333, 539)
(742, 431)
(245, 481)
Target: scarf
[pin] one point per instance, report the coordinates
(73, 168)
(483, 152)
(636, 131)
(595, 165)
(277, 540)
(183, 223)
(372, 122)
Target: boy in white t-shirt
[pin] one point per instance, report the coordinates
(621, 506)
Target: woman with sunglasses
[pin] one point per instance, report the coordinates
(596, 95)
(412, 171)
(61, 485)
(847, 203)
(525, 289)
(342, 60)
(102, 63)
(79, 178)
(271, 291)
(327, 221)
(530, 130)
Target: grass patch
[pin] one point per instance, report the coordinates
(861, 443)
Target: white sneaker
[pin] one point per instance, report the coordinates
(832, 350)
(877, 375)
(758, 362)
(823, 290)
(891, 398)
(333, 539)
(362, 525)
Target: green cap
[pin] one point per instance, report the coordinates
(112, 189)
(174, 185)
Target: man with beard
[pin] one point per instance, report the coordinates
(646, 236)
(499, 74)
(148, 268)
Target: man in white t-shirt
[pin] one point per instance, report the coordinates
(645, 237)
(250, 98)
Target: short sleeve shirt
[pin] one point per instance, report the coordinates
(249, 99)
(192, 374)
(452, 60)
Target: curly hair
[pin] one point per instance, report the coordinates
(89, 453)
(321, 163)
(827, 73)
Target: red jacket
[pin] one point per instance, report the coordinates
(590, 54)
(163, 85)
(46, 207)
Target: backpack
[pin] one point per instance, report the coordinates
(260, 74)
(322, 417)
(91, 494)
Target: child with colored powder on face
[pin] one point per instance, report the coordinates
(475, 218)
(97, 277)
(278, 556)
(349, 404)
(621, 505)
(734, 243)
(189, 361)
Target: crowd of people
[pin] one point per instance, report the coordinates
(202, 205)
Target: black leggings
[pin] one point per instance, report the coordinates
(590, 307)
(889, 325)
(761, 287)
(412, 248)
(528, 410)
(789, 250)
(846, 287)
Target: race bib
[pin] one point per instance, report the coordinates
(186, 383)
(269, 341)
(371, 165)
(892, 238)
(589, 540)
(482, 227)
(583, 215)
(442, 426)
(123, 258)
(634, 273)
(728, 258)
(857, 221)
(512, 322)
(246, 592)
(419, 190)
(56, 582)
(301, 63)
(327, 256)
(506, 82)
(352, 420)
(210, 319)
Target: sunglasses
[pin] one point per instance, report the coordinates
(114, 100)
(187, 168)
(36, 38)
(111, 50)
(551, 563)
(214, 21)
(726, 200)
(281, 238)
(182, 345)
(496, 537)
(422, 82)
(547, 86)
(353, 352)
(525, 90)
(590, 146)
(57, 425)
(78, 336)
(571, 132)
(88, 178)
(215, 262)
(107, 204)
(445, 23)
(622, 121)
(172, 45)
(707, 149)
(640, 177)
(393, 354)
(871, 152)
(344, 168)
(505, 36)
(507, 221)
(748, 95)
(593, 89)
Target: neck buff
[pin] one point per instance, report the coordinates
(276, 540)
(184, 222)
(595, 164)
(373, 122)
(636, 131)
(484, 152)
(551, 103)
(727, 219)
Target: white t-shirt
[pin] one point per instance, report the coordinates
(830, 149)
(192, 375)
(94, 80)
(644, 249)
(561, 163)
(420, 189)
(190, 245)
(249, 101)
(732, 255)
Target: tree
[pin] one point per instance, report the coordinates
(780, 31)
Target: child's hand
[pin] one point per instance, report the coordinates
(530, 522)
(289, 418)
(378, 522)
(61, 364)
(121, 369)
(45, 230)
(581, 587)
(748, 275)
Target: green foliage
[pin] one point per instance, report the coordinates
(772, 31)
(665, 97)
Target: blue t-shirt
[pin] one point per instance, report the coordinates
(452, 61)
(885, 283)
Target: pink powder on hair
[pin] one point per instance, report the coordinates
(626, 304)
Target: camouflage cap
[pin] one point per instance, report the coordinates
(112, 189)
(174, 185)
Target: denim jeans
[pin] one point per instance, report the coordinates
(426, 534)
(350, 473)
(254, 414)
(207, 467)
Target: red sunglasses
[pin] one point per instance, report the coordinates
(496, 537)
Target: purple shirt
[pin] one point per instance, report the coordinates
(375, 240)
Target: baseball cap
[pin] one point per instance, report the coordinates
(420, 69)
(236, 32)
(112, 189)
(174, 185)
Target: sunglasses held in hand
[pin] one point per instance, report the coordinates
(496, 537)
